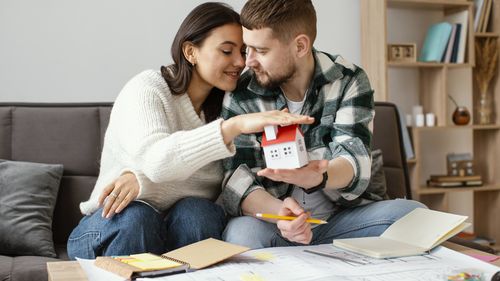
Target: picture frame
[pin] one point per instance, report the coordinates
(402, 52)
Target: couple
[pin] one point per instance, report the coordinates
(167, 152)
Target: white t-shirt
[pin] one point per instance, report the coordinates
(320, 206)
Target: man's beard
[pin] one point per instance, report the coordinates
(274, 82)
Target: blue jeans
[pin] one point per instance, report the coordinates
(368, 220)
(139, 228)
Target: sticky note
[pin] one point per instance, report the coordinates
(251, 277)
(264, 256)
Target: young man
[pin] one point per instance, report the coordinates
(286, 72)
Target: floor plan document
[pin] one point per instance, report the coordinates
(293, 263)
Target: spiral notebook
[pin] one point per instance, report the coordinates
(191, 257)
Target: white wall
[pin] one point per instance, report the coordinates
(85, 51)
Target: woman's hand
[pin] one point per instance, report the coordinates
(255, 122)
(117, 195)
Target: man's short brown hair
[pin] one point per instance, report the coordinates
(286, 18)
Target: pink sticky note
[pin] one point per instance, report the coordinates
(485, 257)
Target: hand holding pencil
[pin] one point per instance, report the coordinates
(288, 218)
(292, 221)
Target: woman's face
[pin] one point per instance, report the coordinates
(220, 58)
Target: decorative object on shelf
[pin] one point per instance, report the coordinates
(430, 119)
(418, 116)
(486, 63)
(460, 164)
(461, 115)
(402, 52)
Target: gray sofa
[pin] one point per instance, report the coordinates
(72, 135)
(68, 134)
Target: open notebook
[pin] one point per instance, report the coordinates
(414, 234)
(191, 257)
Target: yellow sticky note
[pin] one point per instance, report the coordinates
(148, 261)
(264, 256)
(145, 257)
(155, 264)
(251, 277)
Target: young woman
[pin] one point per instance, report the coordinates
(164, 142)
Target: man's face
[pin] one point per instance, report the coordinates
(271, 60)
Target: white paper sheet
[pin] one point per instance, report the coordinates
(95, 273)
(292, 263)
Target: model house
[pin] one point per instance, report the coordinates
(284, 147)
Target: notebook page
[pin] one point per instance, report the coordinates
(205, 253)
(423, 227)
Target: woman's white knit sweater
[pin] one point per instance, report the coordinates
(160, 138)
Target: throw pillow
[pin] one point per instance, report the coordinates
(378, 185)
(28, 194)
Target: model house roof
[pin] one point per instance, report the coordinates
(285, 134)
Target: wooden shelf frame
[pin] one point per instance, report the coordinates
(426, 64)
(486, 35)
(423, 190)
(455, 127)
(433, 96)
(428, 4)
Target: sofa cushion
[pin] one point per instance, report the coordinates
(28, 193)
(378, 181)
(67, 215)
(25, 268)
(68, 136)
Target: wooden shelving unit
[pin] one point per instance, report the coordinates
(434, 85)
(426, 64)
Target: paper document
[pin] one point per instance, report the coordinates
(414, 234)
(293, 263)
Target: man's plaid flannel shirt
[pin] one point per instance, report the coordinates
(340, 99)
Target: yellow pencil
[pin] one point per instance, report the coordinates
(288, 218)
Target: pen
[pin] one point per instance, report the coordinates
(288, 218)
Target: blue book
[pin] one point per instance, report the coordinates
(435, 42)
(456, 44)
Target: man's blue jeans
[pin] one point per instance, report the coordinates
(139, 228)
(368, 220)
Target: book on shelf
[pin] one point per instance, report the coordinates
(462, 18)
(478, 6)
(483, 25)
(414, 234)
(456, 43)
(449, 47)
(447, 178)
(454, 183)
(435, 42)
(191, 257)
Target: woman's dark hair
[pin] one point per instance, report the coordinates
(196, 28)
